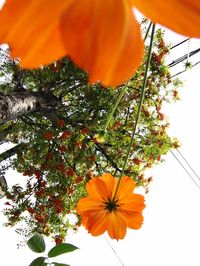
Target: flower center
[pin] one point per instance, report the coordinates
(111, 205)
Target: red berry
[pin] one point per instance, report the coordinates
(38, 174)
(60, 123)
(58, 240)
(70, 172)
(84, 130)
(43, 183)
(39, 218)
(48, 135)
(65, 135)
(31, 210)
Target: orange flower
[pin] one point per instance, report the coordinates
(101, 212)
(102, 37)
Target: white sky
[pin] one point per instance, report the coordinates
(171, 231)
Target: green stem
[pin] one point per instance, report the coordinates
(121, 94)
(147, 32)
(139, 107)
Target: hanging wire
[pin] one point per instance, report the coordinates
(188, 164)
(188, 51)
(176, 45)
(182, 58)
(185, 170)
(114, 251)
(183, 71)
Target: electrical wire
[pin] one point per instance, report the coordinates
(184, 57)
(185, 170)
(183, 71)
(188, 164)
(113, 250)
(176, 45)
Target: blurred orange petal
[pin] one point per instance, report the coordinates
(103, 37)
(181, 16)
(32, 30)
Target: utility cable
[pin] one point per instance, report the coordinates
(184, 57)
(113, 250)
(186, 161)
(185, 170)
(183, 71)
(176, 45)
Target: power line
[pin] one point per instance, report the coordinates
(113, 250)
(176, 45)
(185, 169)
(183, 57)
(188, 164)
(183, 71)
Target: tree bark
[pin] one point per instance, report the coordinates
(22, 102)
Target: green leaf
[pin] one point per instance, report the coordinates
(60, 264)
(36, 243)
(38, 262)
(60, 249)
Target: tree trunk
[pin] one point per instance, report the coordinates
(21, 102)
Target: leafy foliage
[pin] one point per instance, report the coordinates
(38, 262)
(37, 244)
(61, 249)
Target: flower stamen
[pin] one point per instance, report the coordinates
(111, 205)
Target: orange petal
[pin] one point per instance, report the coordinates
(126, 186)
(110, 182)
(88, 204)
(134, 202)
(116, 226)
(32, 30)
(96, 223)
(181, 16)
(84, 220)
(97, 189)
(132, 220)
(103, 37)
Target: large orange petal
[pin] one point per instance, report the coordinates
(97, 189)
(97, 222)
(31, 28)
(132, 220)
(133, 202)
(116, 226)
(103, 37)
(182, 16)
